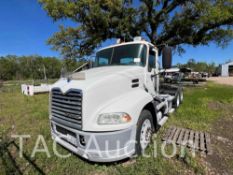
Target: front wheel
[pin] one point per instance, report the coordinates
(145, 129)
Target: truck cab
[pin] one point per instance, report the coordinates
(109, 112)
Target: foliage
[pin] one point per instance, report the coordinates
(173, 22)
(32, 67)
(200, 66)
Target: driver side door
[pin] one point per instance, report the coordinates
(150, 72)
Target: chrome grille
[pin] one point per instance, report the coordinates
(67, 108)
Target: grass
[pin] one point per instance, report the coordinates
(196, 111)
(29, 115)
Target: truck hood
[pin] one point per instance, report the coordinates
(89, 78)
(100, 88)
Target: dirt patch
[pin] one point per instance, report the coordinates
(216, 105)
(221, 161)
(222, 80)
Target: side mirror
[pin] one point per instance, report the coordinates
(167, 57)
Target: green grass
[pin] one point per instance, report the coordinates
(196, 111)
(29, 115)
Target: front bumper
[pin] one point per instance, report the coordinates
(96, 146)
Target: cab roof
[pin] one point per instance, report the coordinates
(127, 43)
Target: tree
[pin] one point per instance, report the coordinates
(52, 67)
(29, 67)
(199, 66)
(211, 68)
(172, 22)
(191, 63)
(8, 67)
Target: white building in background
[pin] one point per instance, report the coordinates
(227, 69)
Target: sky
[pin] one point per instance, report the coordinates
(25, 28)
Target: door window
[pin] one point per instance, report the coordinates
(151, 59)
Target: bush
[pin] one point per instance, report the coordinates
(1, 83)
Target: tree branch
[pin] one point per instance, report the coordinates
(198, 36)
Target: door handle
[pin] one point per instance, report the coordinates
(152, 76)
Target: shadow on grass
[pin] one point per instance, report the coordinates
(9, 162)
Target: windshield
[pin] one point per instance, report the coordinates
(131, 54)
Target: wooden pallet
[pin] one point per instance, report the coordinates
(189, 138)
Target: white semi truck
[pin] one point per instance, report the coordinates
(109, 112)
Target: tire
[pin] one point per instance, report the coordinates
(181, 95)
(176, 102)
(145, 129)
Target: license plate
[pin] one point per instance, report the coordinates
(71, 139)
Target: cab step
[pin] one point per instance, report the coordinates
(163, 121)
(171, 110)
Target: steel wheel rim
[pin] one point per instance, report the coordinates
(177, 101)
(181, 96)
(145, 134)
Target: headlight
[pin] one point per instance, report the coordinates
(113, 118)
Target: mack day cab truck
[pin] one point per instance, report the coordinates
(109, 112)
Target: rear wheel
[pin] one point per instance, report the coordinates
(176, 102)
(181, 96)
(145, 129)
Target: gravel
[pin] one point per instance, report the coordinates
(222, 80)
